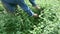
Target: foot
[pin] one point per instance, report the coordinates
(35, 15)
(37, 7)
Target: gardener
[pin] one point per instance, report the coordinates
(10, 6)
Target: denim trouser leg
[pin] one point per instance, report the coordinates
(9, 7)
(32, 2)
(22, 4)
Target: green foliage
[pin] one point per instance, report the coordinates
(48, 23)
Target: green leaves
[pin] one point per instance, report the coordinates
(47, 23)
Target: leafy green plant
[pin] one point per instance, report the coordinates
(48, 23)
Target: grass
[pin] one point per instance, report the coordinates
(48, 23)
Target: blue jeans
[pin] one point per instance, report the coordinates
(10, 5)
(32, 2)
